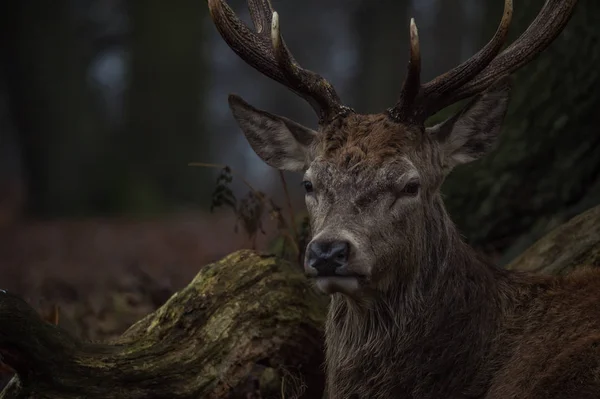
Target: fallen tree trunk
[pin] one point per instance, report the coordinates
(248, 326)
(572, 245)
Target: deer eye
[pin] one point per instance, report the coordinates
(308, 187)
(411, 188)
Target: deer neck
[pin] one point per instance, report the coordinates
(441, 323)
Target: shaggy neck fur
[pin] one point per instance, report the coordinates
(434, 337)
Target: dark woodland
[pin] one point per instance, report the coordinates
(147, 251)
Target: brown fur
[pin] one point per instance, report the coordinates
(455, 326)
(468, 330)
(422, 315)
(359, 138)
(459, 327)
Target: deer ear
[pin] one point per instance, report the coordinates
(280, 142)
(472, 132)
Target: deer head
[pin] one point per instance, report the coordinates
(373, 181)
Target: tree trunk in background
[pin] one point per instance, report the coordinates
(11, 174)
(448, 32)
(382, 31)
(54, 112)
(164, 105)
(547, 166)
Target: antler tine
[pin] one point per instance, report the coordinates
(236, 34)
(266, 52)
(412, 83)
(464, 72)
(319, 92)
(260, 12)
(282, 54)
(549, 23)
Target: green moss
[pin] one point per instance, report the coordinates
(270, 379)
(219, 325)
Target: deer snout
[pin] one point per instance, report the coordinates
(326, 258)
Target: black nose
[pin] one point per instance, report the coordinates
(327, 256)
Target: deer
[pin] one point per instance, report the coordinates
(414, 311)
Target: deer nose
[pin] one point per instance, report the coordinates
(327, 256)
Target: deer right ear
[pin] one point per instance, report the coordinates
(280, 142)
(473, 132)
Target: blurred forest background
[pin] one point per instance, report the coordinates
(103, 103)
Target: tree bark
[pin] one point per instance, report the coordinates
(382, 33)
(546, 168)
(164, 108)
(247, 325)
(573, 245)
(60, 132)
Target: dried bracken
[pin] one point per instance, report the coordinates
(251, 209)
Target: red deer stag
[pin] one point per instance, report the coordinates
(415, 312)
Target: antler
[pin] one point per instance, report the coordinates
(403, 109)
(266, 51)
(549, 23)
(484, 68)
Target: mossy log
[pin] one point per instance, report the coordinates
(247, 326)
(572, 245)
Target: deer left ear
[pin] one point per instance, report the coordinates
(280, 142)
(473, 132)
